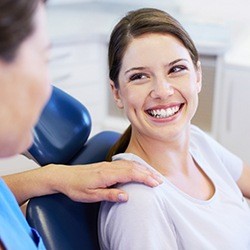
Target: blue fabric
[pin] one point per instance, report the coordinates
(15, 232)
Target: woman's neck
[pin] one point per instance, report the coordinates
(171, 157)
(168, 156)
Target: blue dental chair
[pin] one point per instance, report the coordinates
(61, 136)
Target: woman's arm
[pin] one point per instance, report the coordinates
(244, 181)
(142, 223)
(86, 183)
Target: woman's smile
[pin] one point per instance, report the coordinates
(161, 112)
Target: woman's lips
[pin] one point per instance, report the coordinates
(161, 113)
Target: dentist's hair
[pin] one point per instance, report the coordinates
(135, 24)
(16, 24)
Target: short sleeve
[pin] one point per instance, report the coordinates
(141, 223)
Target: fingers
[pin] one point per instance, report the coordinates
(92, 183)
(144, 175)
(112, 195)
(127, 171)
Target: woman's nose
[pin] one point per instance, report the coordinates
(162, 89)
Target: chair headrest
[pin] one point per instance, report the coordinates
(62, 130)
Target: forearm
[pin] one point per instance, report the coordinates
(32, 183)
(85, 183)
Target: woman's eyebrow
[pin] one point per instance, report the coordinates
(143, 68)
(134, 68)
(176, 61)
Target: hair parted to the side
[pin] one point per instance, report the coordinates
(16, 24)
(135, 24)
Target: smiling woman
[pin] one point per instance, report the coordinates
(139, 26)
(155, 76)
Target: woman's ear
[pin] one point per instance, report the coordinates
(116, 95)
(199, 76)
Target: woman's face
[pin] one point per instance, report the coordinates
(158, 85)
(25, 88)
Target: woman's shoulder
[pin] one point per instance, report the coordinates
(140, 194)
(127, 223)
(143, 202)
(140, 197)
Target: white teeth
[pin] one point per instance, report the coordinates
(164, 113)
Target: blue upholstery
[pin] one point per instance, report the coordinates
(62, 130)
(63, 223)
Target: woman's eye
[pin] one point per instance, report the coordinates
(177, 69)
(137, 76)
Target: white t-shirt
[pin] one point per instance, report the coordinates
(167, 218)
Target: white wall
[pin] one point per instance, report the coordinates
(233, 13)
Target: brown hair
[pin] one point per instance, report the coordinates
(16, 24)
(135, 24)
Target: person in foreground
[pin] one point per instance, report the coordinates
(156, 78)
(25, 88)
